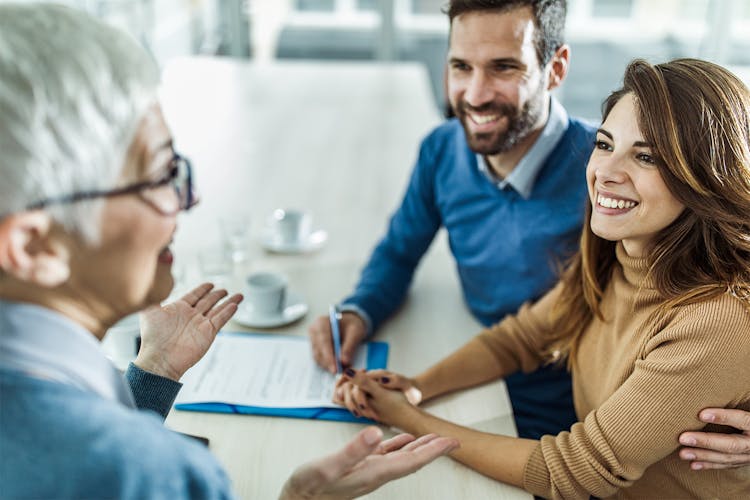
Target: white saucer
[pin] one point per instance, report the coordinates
(294, 309)
(315, 241)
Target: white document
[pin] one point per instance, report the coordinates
(261, 370)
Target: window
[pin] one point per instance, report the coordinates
(613, 8)
(315, 5)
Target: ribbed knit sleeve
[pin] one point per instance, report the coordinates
(695, 357)
(518, 340)
(152, 392)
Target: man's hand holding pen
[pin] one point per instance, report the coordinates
(352, 331)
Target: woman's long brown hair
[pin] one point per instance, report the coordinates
(695, 114)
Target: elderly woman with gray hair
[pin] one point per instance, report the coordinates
(90, 191)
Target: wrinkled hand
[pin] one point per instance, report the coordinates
(364, 465)
(353, 332)
(364, 395)
(175, 336)
(708, 450)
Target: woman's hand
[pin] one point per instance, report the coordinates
(397, 382)
(175, 336)
(364, 394)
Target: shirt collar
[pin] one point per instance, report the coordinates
(523, 176)
(45, 344)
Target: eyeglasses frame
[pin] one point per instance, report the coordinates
(189, 199)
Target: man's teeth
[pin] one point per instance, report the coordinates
(613, 203)
(481, 120)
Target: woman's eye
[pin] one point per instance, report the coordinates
(602, 145)
(646, 158)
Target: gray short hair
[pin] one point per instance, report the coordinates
(72, 92)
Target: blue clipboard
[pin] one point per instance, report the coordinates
(377, 357)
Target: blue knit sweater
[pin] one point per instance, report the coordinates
(59, 441)
(507, 249)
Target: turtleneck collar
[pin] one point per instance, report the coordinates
(634, 269)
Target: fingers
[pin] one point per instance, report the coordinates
(194, 295)
(338, 390)
(359, 391)
(233, 300)
(402, 462)
(348, 347)
(353, 332)
(434, 448)
(321, 343)
(359, 398)
(361, 380)
(350, 404)
(739, 419)
(422, 440)
(219, 316)
(353, 398)
(706, 459)
(733, 444)
(384, 377)
(364, 443)
(209, 300)
(395, 443)
(708, 450)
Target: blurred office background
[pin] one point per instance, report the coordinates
(604, 34)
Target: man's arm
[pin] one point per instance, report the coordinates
(709, 450)
(386, 278)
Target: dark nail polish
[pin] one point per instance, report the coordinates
(385, 380)
(361, 407)
(349, 372)
(356, 414)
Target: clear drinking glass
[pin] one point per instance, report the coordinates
(235, 233)
(216, 266)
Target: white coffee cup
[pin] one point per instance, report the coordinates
(266, 293)
(291, 226)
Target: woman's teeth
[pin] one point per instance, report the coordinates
(613, 203)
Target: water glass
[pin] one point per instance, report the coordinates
(235, 232)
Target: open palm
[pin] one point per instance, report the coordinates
(175, 336)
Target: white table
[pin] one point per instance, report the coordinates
(339, 139)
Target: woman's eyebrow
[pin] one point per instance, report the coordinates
(637, 144)
(604, 132)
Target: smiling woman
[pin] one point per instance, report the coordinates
(631, 203)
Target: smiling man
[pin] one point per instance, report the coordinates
(506, 178)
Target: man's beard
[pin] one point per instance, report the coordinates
(519, 124)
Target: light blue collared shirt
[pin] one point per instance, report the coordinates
(523, 176)
(45, 344)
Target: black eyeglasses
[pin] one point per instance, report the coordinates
(179, 179)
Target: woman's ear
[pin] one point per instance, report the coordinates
(29, 253)
(558, 66)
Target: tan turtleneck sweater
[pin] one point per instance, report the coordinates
(636, 387)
